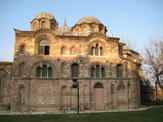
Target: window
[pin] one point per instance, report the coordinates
(75, 70)
(92, 51)
(101, 51)
(22, 49)
(97, 71)
(38, 72)
(96, 50)
(73, 51)
(98, 85)
(120, 50)
(52, 26)
(100, 29)
(84, 31)
(93, 29)
(77, 32)
(35, 26)
(63, 50)
(102, 72)
(49, 72)
(43, 71)
(119, 70)
(44, 47)
(92, 71)
(43, 24)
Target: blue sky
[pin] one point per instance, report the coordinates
(135, 20)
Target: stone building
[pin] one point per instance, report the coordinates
(48, 60)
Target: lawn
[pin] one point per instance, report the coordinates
(151, 115)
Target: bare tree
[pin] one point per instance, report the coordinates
(152, 57)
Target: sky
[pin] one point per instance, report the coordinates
(135, 20)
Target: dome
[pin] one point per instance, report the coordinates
(65, 29)
(44, 15)
(88, 20)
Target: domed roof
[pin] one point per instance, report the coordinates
(65, 29)
(44, 15)
(88, 19)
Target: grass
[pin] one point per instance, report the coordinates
(151, 115)
(153, 103)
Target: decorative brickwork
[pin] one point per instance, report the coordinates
(32, 87)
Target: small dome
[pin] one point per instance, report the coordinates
(88, 20)
(44, 15)
(65, 29)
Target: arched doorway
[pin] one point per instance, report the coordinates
(99, 97)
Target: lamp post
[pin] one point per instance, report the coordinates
(76, 85)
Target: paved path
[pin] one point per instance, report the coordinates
(38, 113)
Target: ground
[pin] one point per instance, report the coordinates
(150, 115)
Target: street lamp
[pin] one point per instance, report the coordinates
(76, 85)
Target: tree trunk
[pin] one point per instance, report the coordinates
(156, 91)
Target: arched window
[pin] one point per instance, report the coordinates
(119, 70)
(84, 31)
(97, 71)
(92, 71)
(43, 71)
(63, 50)
(102, 72)
(49, 72)
(101, 51)
(22, 49)
(35, 26)
(43, 24)
(92, 51)
(73, 51)
(75, 70)
(38, 72)
(44, 47)
(96, 49)
(93, 29)
(52, 26)
(77, 32)
(98, 85)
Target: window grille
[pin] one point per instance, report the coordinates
(75, 70)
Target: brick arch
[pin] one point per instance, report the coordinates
(93, 44)
(73, 50)
(43, 34)
(40, 63)
(63, 50)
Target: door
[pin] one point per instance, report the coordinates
(99, 97)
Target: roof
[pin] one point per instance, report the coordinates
(44, 15)
(88, 19)
(65, 29)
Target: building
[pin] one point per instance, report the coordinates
(48, 60)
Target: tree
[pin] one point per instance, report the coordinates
(152, 58)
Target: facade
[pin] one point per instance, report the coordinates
(48, 60)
